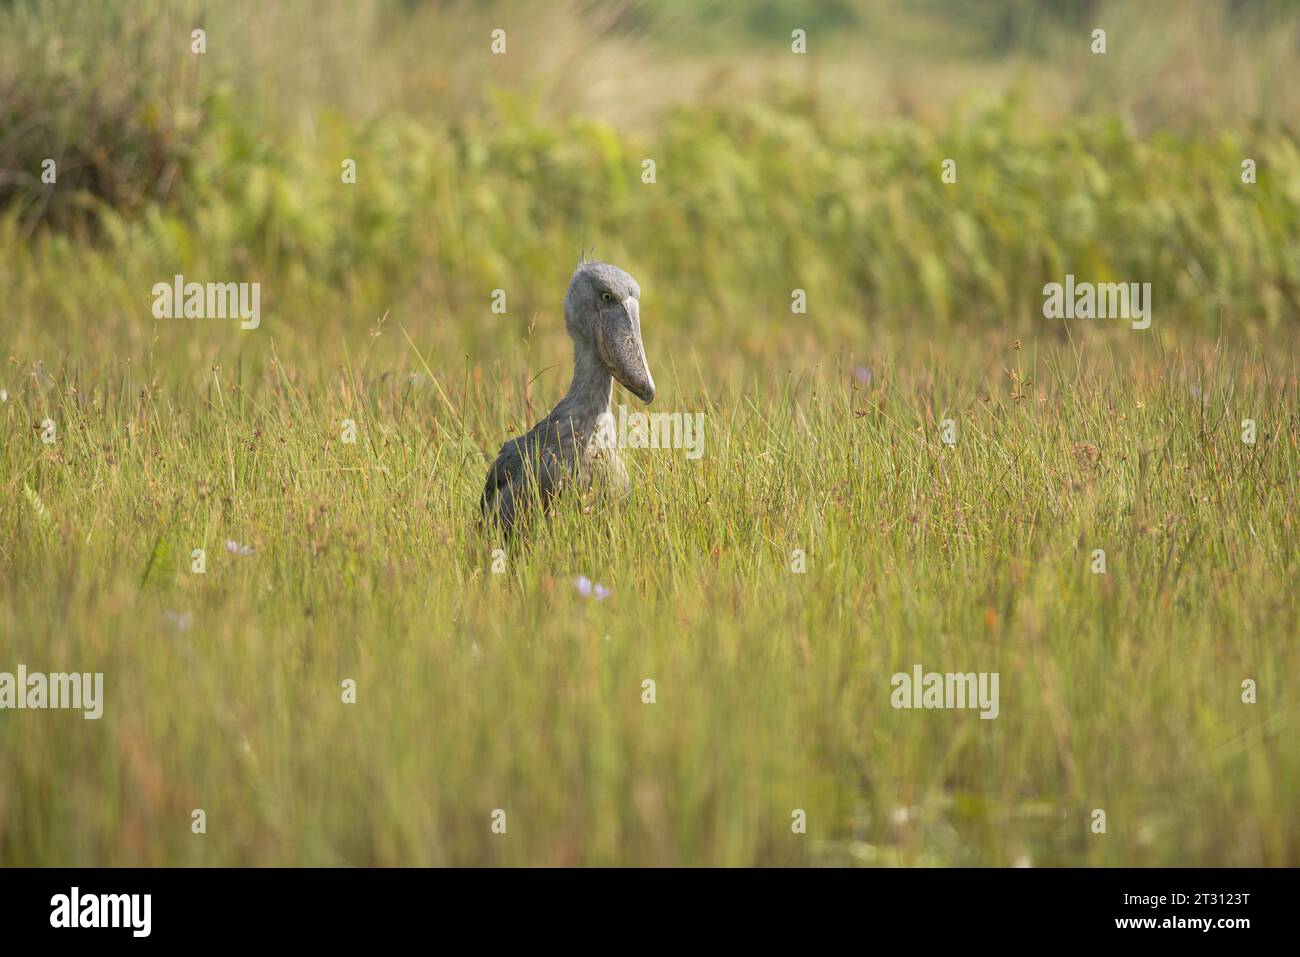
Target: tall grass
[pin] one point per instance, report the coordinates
(479, 691)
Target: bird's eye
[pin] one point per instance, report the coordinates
(606, 297)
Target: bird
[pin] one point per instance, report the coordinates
(573, 443)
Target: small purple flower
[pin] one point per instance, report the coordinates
(587, 588)
(182, 621)
(237, 549)
(863, 374)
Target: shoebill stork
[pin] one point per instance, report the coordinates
(602, 314)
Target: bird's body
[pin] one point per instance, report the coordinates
(572, 444)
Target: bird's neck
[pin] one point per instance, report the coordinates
(590, 392)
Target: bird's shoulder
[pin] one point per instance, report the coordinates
(543, 450)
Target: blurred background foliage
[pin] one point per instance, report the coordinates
(774, 171)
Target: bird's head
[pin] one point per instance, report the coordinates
(603, 309)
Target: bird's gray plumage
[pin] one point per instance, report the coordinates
(603, 317)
